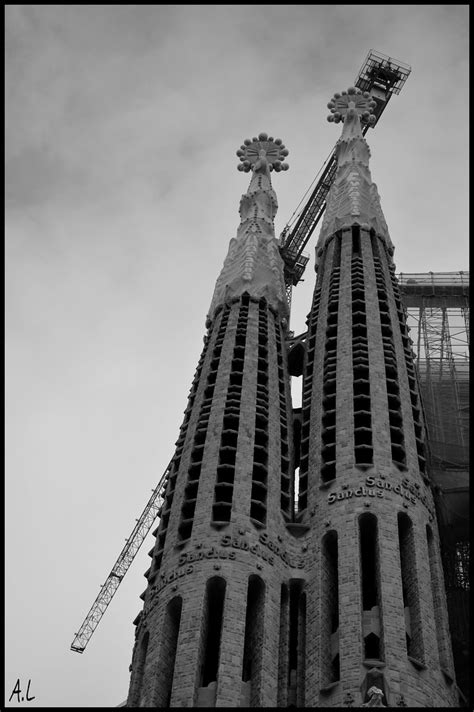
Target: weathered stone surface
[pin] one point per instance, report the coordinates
(252, 601)
(253, 263)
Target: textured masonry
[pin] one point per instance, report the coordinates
(297, 559)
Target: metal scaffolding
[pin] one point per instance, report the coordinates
(437, 310)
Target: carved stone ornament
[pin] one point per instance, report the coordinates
(352, 100)
(374, 689)
(353, 198)
(375, 698)
(253, 263)
(274, 153)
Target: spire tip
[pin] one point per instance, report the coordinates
(263, 146)
(352, 100)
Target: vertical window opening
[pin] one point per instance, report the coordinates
(414, 394)
(296, 644)
(252, 659)
(330, 612)
(190, 493)
(397, 436)
(211, 631)
(296, 492)
(363, 447)
(215, 609)
(411, 604)
(169, 636)
(293, 647)
(307, 394)
(355, 240)
(224, 487)
(436, 589)
(283, 648)
(258, 496)
(328, 433)
(370, 587)
(170, 488)
(295, 485)
(301, 677)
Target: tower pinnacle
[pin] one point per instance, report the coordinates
(253, 263)
(353, 198)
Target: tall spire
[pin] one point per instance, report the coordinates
(253, 263)
(353, 198)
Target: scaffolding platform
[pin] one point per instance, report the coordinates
(444, 289)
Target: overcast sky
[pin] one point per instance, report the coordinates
(122, 194)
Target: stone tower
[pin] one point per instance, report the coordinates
(297, 560)
(225, 570)
(376, 612)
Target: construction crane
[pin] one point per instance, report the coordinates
(380, 75)
(121, 566)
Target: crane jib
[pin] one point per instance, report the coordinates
(382, 77)
(121, 566)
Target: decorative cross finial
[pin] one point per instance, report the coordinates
(353, 99)
(272, 150)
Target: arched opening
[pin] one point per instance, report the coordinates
(370, 588)
(169, 636)
(211, 641)
(436, 590)
(252, 657)
(411, 603)
(296, 644)
(330, 610)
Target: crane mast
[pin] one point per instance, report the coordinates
(381, 76)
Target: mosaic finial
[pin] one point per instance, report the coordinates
(354, 99)
(262, 147)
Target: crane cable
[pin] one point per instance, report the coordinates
(292, 219)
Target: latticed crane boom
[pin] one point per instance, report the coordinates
(382, 77)
(121, 566)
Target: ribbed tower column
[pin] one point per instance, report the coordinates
(209, 631)
(376, 616)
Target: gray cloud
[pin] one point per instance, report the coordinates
(122, 194)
